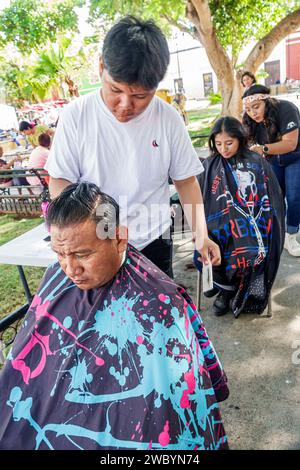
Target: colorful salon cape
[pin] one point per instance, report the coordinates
(125, 366)
(245, 216)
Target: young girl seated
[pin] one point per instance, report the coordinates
(38, 159)
(245, 216)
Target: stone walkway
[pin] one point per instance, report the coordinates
(261, 357)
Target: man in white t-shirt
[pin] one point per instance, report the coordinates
(128, 142)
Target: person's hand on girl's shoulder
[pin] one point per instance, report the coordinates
(258, 149)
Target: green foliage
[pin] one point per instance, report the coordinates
(57, 60)
(44, 76)
(11, 290)
(13, 79)
(110, 10)
(56, 64)
(261, 74)
(215, 98)
(237, 22)
(28, 24)
(20, 84)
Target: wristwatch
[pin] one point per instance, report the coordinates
(265, 149)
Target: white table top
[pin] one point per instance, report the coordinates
(29, 249)
(18, 151)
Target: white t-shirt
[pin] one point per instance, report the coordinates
(131, 161)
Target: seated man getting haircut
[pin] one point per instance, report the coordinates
(112, 353)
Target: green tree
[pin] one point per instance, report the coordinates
(30, 24)
(55, 66)
(13, 82)
(45, 76)
(224, 27)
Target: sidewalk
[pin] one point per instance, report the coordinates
(263, 409)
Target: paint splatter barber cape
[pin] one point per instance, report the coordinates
(125, 366)
(245, 216)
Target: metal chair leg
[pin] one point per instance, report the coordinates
(28, 294)
(198, 290)
(270, 306)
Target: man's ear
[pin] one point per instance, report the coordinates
(122, 238)
(101, 66)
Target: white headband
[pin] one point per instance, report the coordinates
(255, 97)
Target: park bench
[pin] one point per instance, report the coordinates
(23, 200)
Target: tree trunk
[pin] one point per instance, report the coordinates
(198, 12)
(72, 87)
(231, 99)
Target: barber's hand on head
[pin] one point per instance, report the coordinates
(209, 251)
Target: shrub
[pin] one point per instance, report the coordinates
(214, 98)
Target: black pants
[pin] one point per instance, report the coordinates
(160, 252)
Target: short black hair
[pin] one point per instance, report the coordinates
(248, 74)
(84, 201)
(232, 127)
(254, 89)
(136, 52)
(24, 126)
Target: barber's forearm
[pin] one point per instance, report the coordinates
(192, 201)
(57, 185)
(284, 146)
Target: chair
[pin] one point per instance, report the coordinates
(23, 200)
(9, 327)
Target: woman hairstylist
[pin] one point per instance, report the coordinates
(273, 127)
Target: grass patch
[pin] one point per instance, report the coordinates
(12, 293)
(200, 122)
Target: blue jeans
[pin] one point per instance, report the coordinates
(287, 169)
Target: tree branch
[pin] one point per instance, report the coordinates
(265, 46)
(185, 29)
(198, 12)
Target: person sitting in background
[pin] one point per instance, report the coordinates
(164, 94)
(245, 216)
(38, 159)
(4, 182)
(112, 353)
(273, 128)
(32, 131)
(248, 79)
(179, 104)
(14, 163)
(14, 135)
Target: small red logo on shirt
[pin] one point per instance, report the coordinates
(154, 143)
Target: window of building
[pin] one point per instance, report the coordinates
(208, 84)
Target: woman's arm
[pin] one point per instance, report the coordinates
(288, 143)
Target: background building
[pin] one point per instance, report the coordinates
(190, 70)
